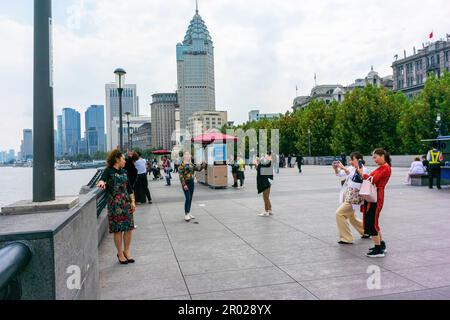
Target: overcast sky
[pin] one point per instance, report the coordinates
(263, 49)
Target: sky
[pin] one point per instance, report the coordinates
(264, 49)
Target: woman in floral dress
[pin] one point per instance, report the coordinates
(121, 204)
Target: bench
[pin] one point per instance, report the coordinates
(419, 180)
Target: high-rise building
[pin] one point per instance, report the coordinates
(59, 143)
(12, 155)
(71, 131)
(130, 103)
(95, 129)
(26, 149)
(135, 124)
(195, 70)
(202, 121)
(163, 119)
(142, 137)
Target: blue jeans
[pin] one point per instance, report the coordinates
(168, 177)
(188, 195)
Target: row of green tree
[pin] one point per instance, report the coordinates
(368, 118)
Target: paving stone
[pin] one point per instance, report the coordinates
(248, 278)
(355, 286)
(290, 291)
(230, 253)
(226, 263)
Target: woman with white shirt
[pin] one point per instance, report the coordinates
(142, 192)
(417, 168)
(349, 198)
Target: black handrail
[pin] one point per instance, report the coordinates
(14, 258)
(101, 194)
(101, 202)
(96, 178)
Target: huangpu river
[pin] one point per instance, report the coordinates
(17, 183)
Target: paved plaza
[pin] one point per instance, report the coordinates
(230, 253)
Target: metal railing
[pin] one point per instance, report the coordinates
(101, 194)
(14, 258)
(96, 178)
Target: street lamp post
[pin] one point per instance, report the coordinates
(439, 124)
(120, 81)
(43, 127)
(131, 139)
(309, 142)
(128, 129)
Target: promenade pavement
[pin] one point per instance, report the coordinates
(230, 253)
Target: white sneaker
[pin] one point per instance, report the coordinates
(263, 214)
(187, 218)
(270, 213)
(191, 216)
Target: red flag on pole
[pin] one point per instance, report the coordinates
(431, 35)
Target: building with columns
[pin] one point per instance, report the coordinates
(410, 73)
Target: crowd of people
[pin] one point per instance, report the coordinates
(126, 181)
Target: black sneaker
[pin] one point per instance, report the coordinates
(365, 236)
(377, 252)
(383, 247)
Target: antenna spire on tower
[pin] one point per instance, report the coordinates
(196, 6)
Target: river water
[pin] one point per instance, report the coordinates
(17, 183)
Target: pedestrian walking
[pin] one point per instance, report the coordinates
(121, 204)
(142, 191)
(241, 172)
(186, 172)
(300, 160)
(234, 171)
(349, 198)
(380, 177)
(167, 167)
(264, 180)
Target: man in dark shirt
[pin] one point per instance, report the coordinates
(131, 169)
(300, 163)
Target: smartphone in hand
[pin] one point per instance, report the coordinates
(360, 164)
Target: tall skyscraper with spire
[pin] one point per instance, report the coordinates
(195, 70)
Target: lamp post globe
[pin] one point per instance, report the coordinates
(120, 81)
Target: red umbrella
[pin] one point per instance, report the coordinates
(162, 152)
(212, 137)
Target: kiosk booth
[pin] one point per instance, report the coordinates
(211, 148)
(160, 153)
(444, 147)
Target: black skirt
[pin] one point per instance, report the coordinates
(371, 220)
(140, 188)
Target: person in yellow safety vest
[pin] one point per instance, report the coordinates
(435, 159)
(241, 170)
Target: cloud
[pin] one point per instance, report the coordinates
(263, 49)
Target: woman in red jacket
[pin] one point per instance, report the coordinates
(372, 211)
